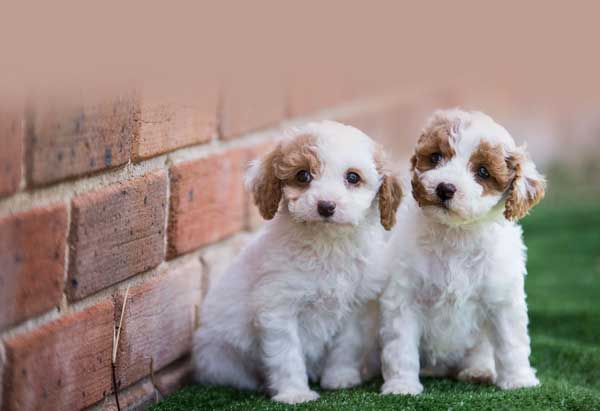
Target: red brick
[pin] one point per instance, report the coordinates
(167, 124)
(63, 365)
(32, 262)
(250, 106)
(139, 396)
(208, 202)
(158, 322)
(116, 232)
(67, 139)
(135, 398)
(11, 155)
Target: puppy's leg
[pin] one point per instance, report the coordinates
(346, 355)
(400, 334)
(284, 360)
(219, 364)
(478, 364)
(371, 366)
(511, 345)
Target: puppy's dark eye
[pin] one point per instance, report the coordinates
(303, 177)
(352, 177)
(483, 172)
(435, 158)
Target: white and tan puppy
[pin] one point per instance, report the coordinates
(455, 304)
(286, 310)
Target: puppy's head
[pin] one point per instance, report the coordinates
(325, 172)
(467, 167)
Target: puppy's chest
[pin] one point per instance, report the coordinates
(449, 296)
(329, 300)
(335, 290)
(450, 280)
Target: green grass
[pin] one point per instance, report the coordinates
(563, 288)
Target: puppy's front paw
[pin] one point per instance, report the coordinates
(402, 387)
(477, 375)
(334, 379)
(296, 396)
(522, 379)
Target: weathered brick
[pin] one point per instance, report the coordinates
(158, 322)
(142, 394)
(169, 123)
(253, 105)
(63, 365)
(32, 255)
(134, 398)
(208, 202)
(11, 154)
(116, 232)
(67, 139)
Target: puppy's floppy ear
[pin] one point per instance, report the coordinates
(527, 188)
(264, 185)
(413, 162)
(390, 194)
(390, 191)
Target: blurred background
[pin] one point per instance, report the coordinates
(125, 130)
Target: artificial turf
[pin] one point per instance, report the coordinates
(563, 287)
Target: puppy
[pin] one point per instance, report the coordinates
(455, 303)
(288, 308)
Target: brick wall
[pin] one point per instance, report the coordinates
(144, 193)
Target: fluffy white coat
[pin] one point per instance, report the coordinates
(277, 316)
(455, 304)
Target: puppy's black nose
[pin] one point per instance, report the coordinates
(326, 208)
(445, 191)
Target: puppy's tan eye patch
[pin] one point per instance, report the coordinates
(433, 148)
(299, 162)
(490, 169)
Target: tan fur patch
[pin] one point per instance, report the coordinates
(390, 191)
(390, 195)
(279, 168)
(434, 139)
(298, 154)
(517, 205)
(267, 189)
(420, 194)
(492, 158)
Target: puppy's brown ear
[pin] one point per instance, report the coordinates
(390, 194)
(413, 162)
(527, 188)
(264, 185)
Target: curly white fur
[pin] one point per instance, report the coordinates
(277, 316)
(455, 304)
